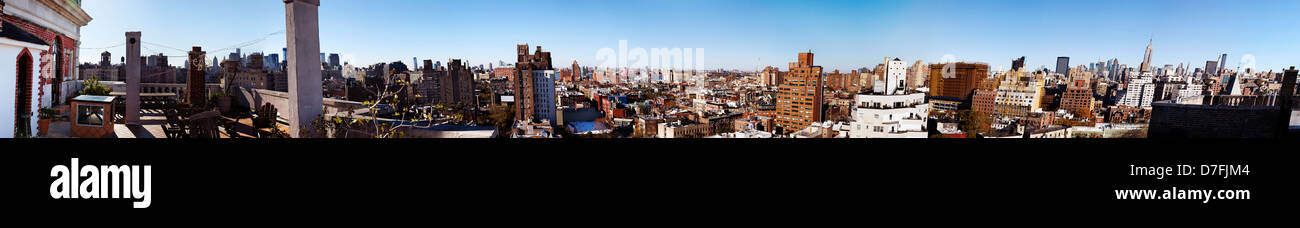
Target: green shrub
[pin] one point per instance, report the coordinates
(93, 87)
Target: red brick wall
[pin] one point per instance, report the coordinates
(49, 36)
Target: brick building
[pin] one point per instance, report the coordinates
(1078, 93)
(955, 86)
(1019, 93)
(532, 74)
(799, 98)
(771, 77)
(456, 85)
(985, 96)
(42, 49)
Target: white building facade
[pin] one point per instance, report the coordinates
(889, 116)
(1191, 90)
(895, 76)
(544, 95)
(1140, 92)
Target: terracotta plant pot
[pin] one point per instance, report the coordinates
(43, 127)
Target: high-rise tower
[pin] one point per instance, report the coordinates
(799, 101)
(534, 85)
(1146, 60)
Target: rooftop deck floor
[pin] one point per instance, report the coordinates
(151, 126)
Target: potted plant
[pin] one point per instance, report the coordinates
(93, 87)
(43, 127)
(223, 101)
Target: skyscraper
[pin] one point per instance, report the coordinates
(799, 99)
(1223, 61)
(273, 62)
(1113, 69)
(1063, 65)
(1018, 63)
(577, 72)
(1211, 68)
(1146, 60)
(334, 60)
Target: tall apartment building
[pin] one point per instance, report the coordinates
(799, 98)
(952, 89)
(544, 98)
(429, 88)
(1078, 93)
(456, 85)
(1140, 92)
(1019, 93)
(917, 75)
(534, 85)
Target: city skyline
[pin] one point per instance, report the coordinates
(846, 35)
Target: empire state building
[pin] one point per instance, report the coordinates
(1146, 61)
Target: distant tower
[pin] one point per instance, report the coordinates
(1223, 60)
(1018, 64)
(334, 60)
(1146, 61)
(1211, 68)
(105, 59)
(1063, 65)
(577, 72)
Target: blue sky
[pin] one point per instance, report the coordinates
(740, 34)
